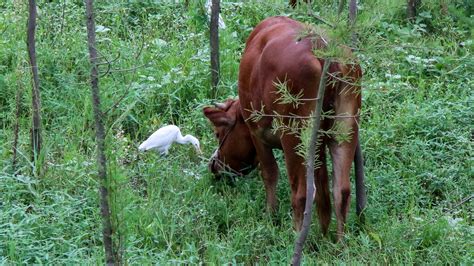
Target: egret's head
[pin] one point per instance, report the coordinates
(142, 147)
(195, 142)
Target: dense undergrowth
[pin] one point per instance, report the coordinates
(417, 133)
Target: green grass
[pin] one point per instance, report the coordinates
(417, 131)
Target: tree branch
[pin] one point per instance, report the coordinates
(310, 167)
(291, 115)
(130, 69)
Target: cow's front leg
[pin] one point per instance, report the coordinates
(269, 168)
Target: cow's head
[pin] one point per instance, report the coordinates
(236, 152)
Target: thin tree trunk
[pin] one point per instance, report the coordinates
(294, 3)
(352, 12)
(17, 126)
(214, 36)
(100, 137)
(352, 20)
(62, 18)
(340, 8)
(444, 7)
(310, 167)
(412, 6)
(36, 139)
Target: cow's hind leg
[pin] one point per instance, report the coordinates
(342, 157)
(323, 201)
(296, 167)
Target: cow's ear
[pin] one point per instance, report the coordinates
(218, 117)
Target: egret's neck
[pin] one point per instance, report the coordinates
(183, 140)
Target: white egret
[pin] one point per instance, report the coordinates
(162, 139)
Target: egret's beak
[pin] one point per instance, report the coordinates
(198, 150)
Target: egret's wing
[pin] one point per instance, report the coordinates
(155, 141)
(161, 139)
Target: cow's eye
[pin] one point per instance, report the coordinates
(217, 134)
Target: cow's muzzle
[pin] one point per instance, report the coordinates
(219, 168)
(214, 164)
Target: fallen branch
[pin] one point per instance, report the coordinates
(466, 199)
(322, 20)
(131, 69)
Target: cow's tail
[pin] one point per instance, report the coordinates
(361, 196)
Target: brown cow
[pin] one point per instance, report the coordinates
(275, 51)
